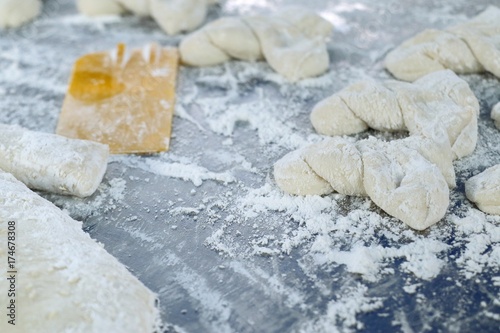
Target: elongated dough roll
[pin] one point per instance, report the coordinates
(484, 190)
(469, 47)
(65, 281)
(51, 162)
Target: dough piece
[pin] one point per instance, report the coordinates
(484, 190)
(14, 13)
(495, 115)
(175, 16)
(396, 177)
(52, 163)
(292, 41)
(66, 281)
(470, 47)
(138, 7)
(439, 106)
(100, 7)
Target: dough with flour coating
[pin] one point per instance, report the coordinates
(66, 281)
(173, 16)
(394, 175)
(484, 190)
(292, 41)
(495, 115)
(439, 106)
(52, 163)
(14, 13)
(469, 47)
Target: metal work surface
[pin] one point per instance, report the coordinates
(205, 226)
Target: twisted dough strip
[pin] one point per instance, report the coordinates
(407, 178)
(470, 47)
(292, 41)
(394, 175)
(439, 106)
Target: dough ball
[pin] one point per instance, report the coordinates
(175, 16)
(495, 115)
(484, 190)
(14, 13)
(100, 7)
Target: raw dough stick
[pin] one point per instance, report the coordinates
(495, 115)
(51, 162)
(470, 47)
(66, 282)
(394, 175)
(14, 13)
(439, 106)
(292, 41)
(484, 190)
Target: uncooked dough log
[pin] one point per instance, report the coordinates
(292, 41)
(14, 13)
(439, 106)
(66, 282)
(394, 175)
(484, 190)
(51, 162)
(470, 47)
(495, 115)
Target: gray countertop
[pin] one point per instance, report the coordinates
(204, 225)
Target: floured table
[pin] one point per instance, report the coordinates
(205, 226)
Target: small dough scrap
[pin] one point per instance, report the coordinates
(484, 190)
(66, 281)
(14, 13)
(495, 115)
(52, 163)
